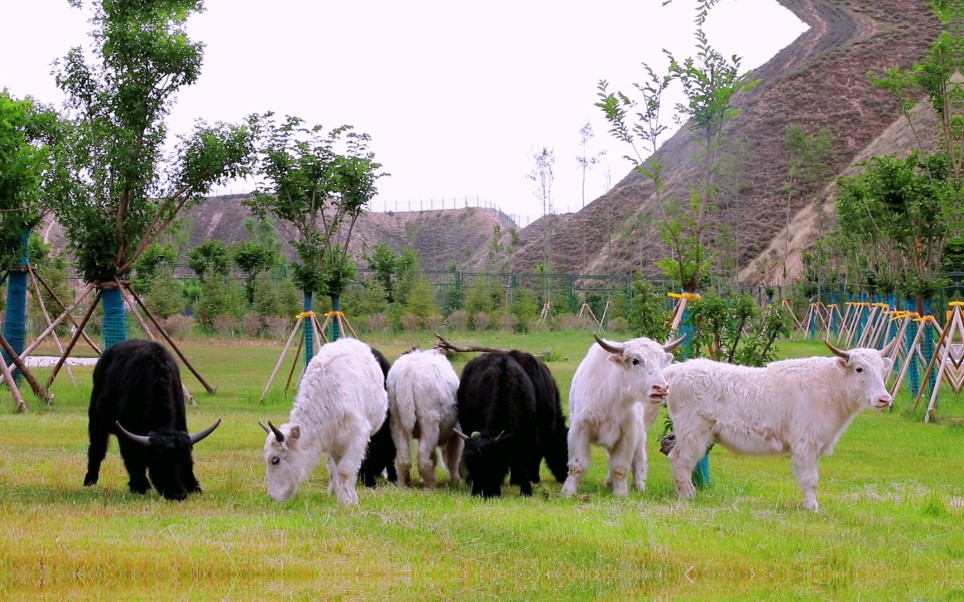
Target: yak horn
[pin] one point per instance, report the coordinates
(836, 351)
(888, 347)
(277, 432)
(196, 437)
(673, 345)
(608, 346)
(141, 440)
(460, 434)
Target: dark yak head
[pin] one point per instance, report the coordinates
(486, 460)
(169, 461)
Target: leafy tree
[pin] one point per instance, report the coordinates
(23, 163)
(408, 272)
(736, 331)
(164, 294)
(252, 258)
(319, 189)
(122, 193)
(710, 82)
(384, 262)
(894, 211)
(209, 260)
(156, 258)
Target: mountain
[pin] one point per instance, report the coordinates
(818, 81)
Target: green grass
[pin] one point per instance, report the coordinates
(890, 526)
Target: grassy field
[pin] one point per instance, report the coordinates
(891, 525)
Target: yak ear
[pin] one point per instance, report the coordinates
(294, 432)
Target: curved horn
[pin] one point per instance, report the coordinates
(138, 439)
(608, 346)
(836, 351)
(889, 347)
(196, 437)
(460, 434)
(674, 344)
(277, 432)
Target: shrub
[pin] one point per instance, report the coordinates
(433, 322)
(178, 326)
(409, 322)
(225, 325)
(481, 320)
(377, 322)
(277, 327)
(457, 320)
(507, 323)
(251, 325)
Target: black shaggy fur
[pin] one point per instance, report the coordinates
(138, 384)
(553, 433)
(497, 408)
(380, 455)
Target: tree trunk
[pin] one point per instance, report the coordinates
(15, 322)
(115, 317)
(309, 330)
(334, 332)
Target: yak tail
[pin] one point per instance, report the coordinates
(403, 405)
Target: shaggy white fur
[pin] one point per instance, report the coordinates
(422, 388)
(613, 399)
(341, 402)
(799, 407)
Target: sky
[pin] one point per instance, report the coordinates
(457, 97)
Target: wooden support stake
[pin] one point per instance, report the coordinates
(73, 339)
(43, 308)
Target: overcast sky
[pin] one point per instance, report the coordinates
(457, 97)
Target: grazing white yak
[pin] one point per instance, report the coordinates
(341, 403)
(422, 387)
(799, 407)
(605, 398)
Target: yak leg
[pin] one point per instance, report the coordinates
(95, 454)
(578, 440)
(621, 460)
(805, 469)
(403, 454)
(640, 459)
(690, 447)
(347, 465)
(427, 443)
(451, 454)
(135, 461)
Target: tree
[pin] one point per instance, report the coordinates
(587, 160)
(810, 163)
(23, 163)
(252, 257)
(894, 212)
(122, 192)
(710, 82)
(209, 260)
(384, 262)
(542, 175)
(319, 183)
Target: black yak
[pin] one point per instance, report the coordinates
(497, 407)
(137, 396)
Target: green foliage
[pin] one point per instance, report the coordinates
(319, 190)
(421, 299)
(118, 194)
(894, 215)
(209, 260)
(709, 82)
(164, 294)
(384, 262)
(217, 299)
(736, 331)
(23, 162)
(275, 297)
(366, 298)
(156, 258)
(408, 273)
(647, 314)
(252, 258)
(483, 296)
